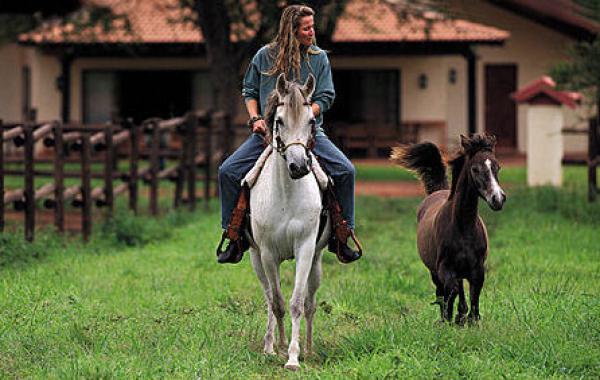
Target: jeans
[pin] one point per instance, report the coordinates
(333, 161)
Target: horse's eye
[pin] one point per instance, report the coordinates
(312, 122)
(279, 122)
(475, 169)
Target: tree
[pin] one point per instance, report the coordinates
(582, 72)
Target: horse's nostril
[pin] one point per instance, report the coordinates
(503, 197)
(293, 167)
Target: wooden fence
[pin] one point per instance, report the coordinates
(104, 146)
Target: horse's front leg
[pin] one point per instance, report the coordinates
(271, 269)
(461, 316)
(475, 286)
(448, 278)
(262, 277)
(310, 302)
(304, 260)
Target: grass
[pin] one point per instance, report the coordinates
(145, 299)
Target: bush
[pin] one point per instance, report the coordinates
(14, 249)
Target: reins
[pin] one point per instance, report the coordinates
(281, 147)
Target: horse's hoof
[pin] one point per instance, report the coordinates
(292, 366)
(270, 352)
(460, 320)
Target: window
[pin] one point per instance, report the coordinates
(366, 96)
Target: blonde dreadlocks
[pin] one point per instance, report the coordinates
(285, 47)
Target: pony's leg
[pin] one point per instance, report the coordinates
(310, 302)
(304, 260)
(448, 279)
(439, 294)
(278, 304)
(475, 284)
(262, 277)
(461, 316)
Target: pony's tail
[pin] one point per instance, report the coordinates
(426, 161)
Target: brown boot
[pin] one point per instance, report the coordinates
(238, 244)
(338, 243)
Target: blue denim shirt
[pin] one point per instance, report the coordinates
(258, 85)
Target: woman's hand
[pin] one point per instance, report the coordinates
(259, 127)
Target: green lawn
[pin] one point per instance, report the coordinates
(161, 307)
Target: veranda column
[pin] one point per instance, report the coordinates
(545, 121)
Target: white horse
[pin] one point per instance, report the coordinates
(285, 209)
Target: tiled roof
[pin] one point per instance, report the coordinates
(370, 22)
(154, 22)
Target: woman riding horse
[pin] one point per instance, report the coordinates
(293, 53)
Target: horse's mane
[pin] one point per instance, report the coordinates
(470, 146)
(295, 106)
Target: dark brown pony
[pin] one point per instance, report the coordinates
(451, 237)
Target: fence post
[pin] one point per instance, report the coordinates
(29, 183)
(86, 187)
(133, 165)
(154, 167)
(1, 176)
(207, 168)
(59, 185)
(108, 169)
(191, 137)
(593, 157)
(181, 168)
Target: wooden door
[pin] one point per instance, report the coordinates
(500, 109)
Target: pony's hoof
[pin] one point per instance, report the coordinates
(460, 320)
(270, 352)
(473, 320)
(292, 366)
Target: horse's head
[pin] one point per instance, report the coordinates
(292, 124)
(482, 169)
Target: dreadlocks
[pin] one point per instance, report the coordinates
(285, 47)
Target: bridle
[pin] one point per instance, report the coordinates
(281, 147)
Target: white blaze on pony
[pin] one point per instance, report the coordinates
(285, 209)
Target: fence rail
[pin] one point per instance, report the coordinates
(104, 146)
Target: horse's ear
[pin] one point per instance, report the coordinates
(281, 85)
(492, 140)
(465, 142)
(309, 86)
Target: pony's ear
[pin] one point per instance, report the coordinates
(309, 86)
(492, 139)
(465, 142)
(281, 85)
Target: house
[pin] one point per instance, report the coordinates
(425, 78)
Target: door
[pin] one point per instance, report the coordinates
(500, 109)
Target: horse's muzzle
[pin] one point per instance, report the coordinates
(497, 201)
(297, 172)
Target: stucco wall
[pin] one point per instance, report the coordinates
(534, 48)
(45, 96)
(440, 100)
(10, 82)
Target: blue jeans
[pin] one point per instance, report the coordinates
(333, 161)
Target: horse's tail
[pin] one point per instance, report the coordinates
(426, 161)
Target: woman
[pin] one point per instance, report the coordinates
(293, 52)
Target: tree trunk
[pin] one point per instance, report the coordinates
(215, 24)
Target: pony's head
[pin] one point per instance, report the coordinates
(481, 168)
(292, 124)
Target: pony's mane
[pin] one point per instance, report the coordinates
(470, 146)
(296, 102)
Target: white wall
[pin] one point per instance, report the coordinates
(11, 59)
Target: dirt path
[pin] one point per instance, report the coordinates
(397, 189)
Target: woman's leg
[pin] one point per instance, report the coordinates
(341, 170)
(233, 170)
